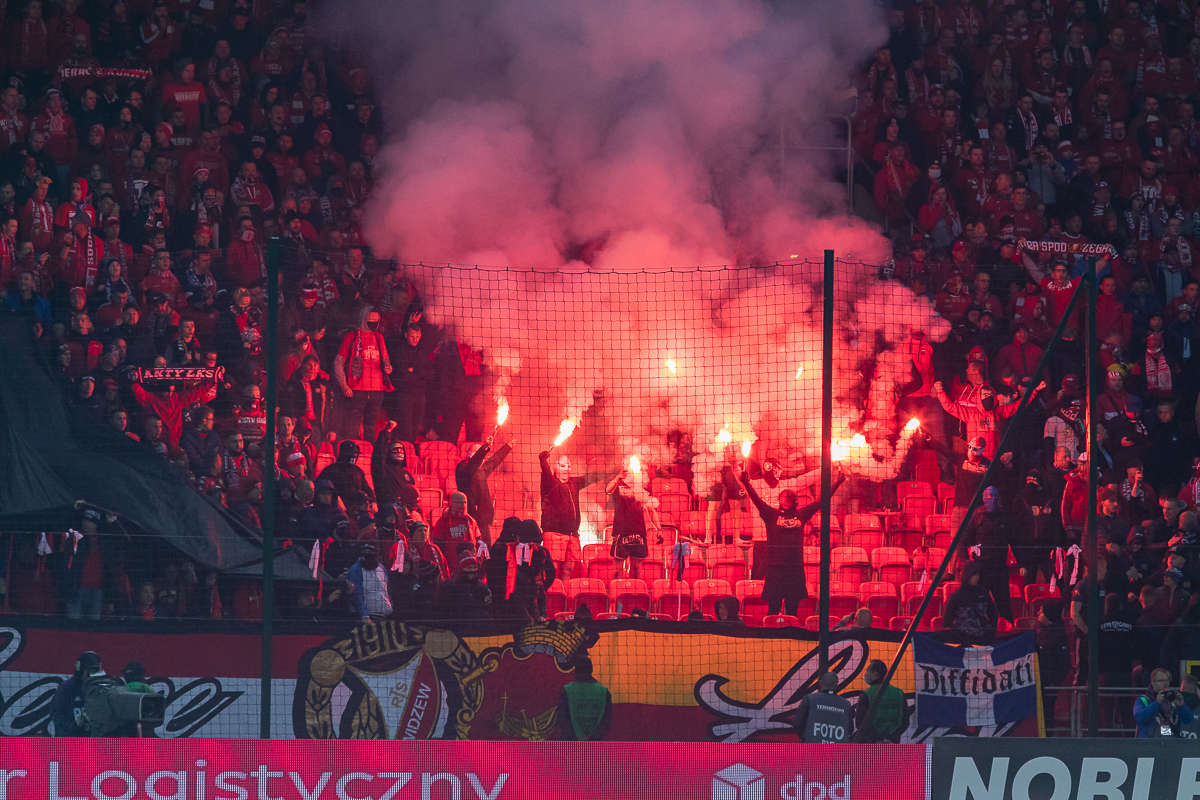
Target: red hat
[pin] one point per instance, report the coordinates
(167, 128)
(960, 246)
(468, 562)
(322, 128)
(200, 169)
(112, 218)
(203, 226)
(296, 457)
(95, 127)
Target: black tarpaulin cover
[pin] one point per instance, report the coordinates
(48, 461)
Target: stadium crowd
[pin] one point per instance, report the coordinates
(1011, 148)
(149, 151)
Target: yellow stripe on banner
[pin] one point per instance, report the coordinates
(662, 669)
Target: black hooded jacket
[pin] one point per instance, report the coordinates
(346, 476)
(393, 481)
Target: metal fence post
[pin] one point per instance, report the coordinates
(268, 513)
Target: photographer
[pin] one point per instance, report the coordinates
(68, 716)
(1161, 712)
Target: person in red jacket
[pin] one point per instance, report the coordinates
(245, 263)
(188, 94)
(1020, 356)
(59, 128)
(952, 301)
(170, 404)
(361, 369)
(30, 52)
(1111, 316)
(161, 37)
(82, 253)
(893, 183)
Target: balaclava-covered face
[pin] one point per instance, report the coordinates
(991, 498)
(396, 455)
(788, 503)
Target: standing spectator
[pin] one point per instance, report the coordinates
(971, 610)
(199, 441)
(424, 573)
(585, 707)
(471, 476)
(370, 598)
(784, 585)
(414, 369)
(535, 573)
(880, 717)
(454, 528)
(633, 505)
(361, 369)
(1116, 660)
(465, 597)
(560, 506)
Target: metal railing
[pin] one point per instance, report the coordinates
(1121, 698)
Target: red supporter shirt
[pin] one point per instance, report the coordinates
(188, 97)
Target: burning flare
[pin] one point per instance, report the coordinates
(635, 465)
(724, 437)
(746, 445)
(912, 424)
(565, 429)
(799, 371)
(501, 413)
(671, 365)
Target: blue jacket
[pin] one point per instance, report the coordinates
(358, 600)
(1145, 713)
(41, 306)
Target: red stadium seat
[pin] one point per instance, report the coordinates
(652, 570)
(866, 538)
(909, 539)
(754, 609)
(743, 589)
(907, 489)
(891, 564)
(673, 598)
(850, 565)
(707, 592)
(937, 624)
(899, 623)
(564, 616)
(813, 623)
(880, 597)
(675, 504)
(691, 524)
(920, 506)
(661, 486)
(556, 599)
(629, 594)
(1024, 623)
(1034, 591)
(859, 522)
(588, 590)
(841, 605)
(729, 571)
(781, 621)
(440, 459)
(931, 475)
(948, 588)
(591, 551)
(945, 494)
(601, 567)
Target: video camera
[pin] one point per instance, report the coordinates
(112, 709)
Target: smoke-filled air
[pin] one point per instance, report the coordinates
(587, 147)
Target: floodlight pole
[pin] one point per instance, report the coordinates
(826, 461)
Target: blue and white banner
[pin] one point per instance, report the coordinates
(958, 685)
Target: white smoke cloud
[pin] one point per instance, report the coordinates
(637, 135)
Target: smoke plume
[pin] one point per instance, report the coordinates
(595, 153)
